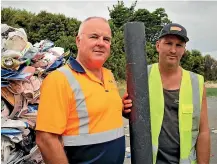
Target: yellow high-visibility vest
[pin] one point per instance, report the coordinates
(190, 100)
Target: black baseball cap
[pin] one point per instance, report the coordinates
(174, 29)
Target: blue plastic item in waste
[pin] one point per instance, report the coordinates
(32, 108)
(47, 44)
(10, 131)
(7, 74)
(30, 53)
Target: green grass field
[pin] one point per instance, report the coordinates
(211, 92)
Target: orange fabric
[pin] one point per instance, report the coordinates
(7, 95)
(54, 103)
(57, 109)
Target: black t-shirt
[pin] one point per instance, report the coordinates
(169, 140)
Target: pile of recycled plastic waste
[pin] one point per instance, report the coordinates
(23, 68)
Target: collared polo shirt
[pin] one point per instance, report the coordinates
(57, 112)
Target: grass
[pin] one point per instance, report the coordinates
(211, 92)
(122, 87)
(121, 91)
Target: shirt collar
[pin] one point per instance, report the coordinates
(75, 65)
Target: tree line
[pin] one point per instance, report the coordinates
(62, 31)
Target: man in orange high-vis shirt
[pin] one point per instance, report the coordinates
(80, 112)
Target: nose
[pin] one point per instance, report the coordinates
(173, 49)
(100, 41)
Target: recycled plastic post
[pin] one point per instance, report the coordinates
(137, 88)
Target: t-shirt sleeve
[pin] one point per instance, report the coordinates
(54, 104)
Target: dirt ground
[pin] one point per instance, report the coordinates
(211, 85)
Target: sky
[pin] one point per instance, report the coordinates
(198, 17)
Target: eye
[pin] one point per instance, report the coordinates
(179, 45)
(107, 39)
(94, 37)
(168, 43)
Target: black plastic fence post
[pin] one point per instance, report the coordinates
(137, 88)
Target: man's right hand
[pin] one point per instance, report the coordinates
(127, 104)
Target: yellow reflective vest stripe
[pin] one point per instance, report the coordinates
(190, 98)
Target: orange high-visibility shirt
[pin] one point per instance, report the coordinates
(78, 106)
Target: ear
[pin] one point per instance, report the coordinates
(78, 40)
(157, 45)
(185, 53)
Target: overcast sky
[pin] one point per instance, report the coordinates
(198, 17)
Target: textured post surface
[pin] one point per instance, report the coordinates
(137, 88)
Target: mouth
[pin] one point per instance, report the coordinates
(173, 57)
(99, 51)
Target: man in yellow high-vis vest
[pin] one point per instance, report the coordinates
(178, 105)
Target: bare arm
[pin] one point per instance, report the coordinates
(203, 141)
(51, 148)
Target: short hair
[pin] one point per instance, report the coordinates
(88, 19)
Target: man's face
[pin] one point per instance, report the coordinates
(94, 43)
(171, 49)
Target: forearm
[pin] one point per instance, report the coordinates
(52, 151)
(203, 148)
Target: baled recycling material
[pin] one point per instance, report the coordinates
(23, 68)
(137, 88)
